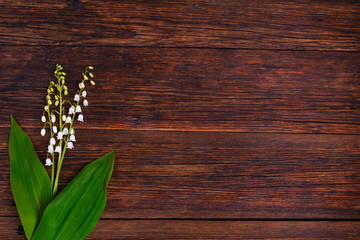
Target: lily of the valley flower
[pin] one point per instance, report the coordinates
(60, 136)
(71, 110)
(58, 149)
(61, 131)
(72, 138)
(50, 149)
(53, 118)
(52, 141)
(48, 162)
(80, 118)
(70, 145)
(68, 120)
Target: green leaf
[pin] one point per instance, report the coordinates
(74, 213)
(29, 180)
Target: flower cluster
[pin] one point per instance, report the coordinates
(59, 114)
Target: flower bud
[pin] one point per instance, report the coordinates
(52, 141)
(46, 108)
(63, 118)
(92, 82)
(81, 85)
(42, 132)
(86, 103)
(83, 93)
(91, 75)
(72, 131)
(43, 119)
(85, 77)
(54, 129)
(66, 92)
(91, 67)
(53, 118)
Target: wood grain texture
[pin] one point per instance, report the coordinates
(187, 229)
(161, 174)
(230, 119)
(299, 25)
(192, 89)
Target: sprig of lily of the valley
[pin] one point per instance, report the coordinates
(75, 211)
(61, 124)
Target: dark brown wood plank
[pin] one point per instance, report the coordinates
(192, 89)
(300, 25)
(188, 229)
(160, 174)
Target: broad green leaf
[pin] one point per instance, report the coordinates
(74, 213)
(29, 180)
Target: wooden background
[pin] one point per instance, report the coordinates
(230, 119)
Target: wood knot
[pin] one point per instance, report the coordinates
(76, 4)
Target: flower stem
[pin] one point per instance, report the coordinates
(60, 144)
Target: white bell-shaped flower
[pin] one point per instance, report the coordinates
(86, 103)
(72, 138)
(76, 98)
(65, 131)
(52, 141)
(54, 129)
(58, 149)
(70, 145)
(53, 118)
(80, 118)
(83, 93)
(71, 110)
(48, 162)
(81, 85)
(68, 119)
(78, 108)
(50, 149)
(60, 136)
(42, 132)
